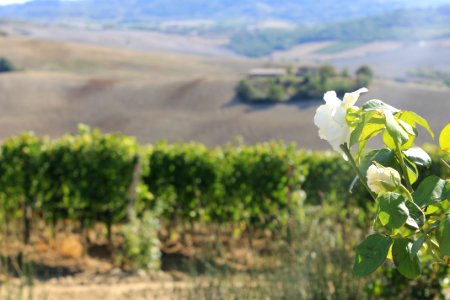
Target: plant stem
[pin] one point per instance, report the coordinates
(403, 166)
(445, 163)
(361, 177)
(407, 192)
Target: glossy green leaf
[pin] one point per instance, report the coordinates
(444, 236)
(418, 244)
(416, 218)
(371, 253)
(431, 190)
(376, 104)
(418, 156)
(395, 131)
(371, 125)
(408, 128)
(411, 168)
(447, 188)
(405, 260)
(412, 118)
(431, 209)
(390, 142)
(393, 211)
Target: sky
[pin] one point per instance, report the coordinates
(6, 2)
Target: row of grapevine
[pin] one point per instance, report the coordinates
(258, 185)
(95, 177)
(84, 177)
(91, 177)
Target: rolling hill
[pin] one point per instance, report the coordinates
(161, 96)
(399, 25)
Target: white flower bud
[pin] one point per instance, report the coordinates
(381, 179)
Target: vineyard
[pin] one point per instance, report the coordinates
(92, 178)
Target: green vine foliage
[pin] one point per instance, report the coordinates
(84, 177)
(99, 172)
(21, 172)
(257, 185)
(185, 180)
(263, 183)
(339, 176)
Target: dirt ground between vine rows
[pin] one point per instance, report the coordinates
(112, 287)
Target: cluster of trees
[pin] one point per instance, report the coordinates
(312, 84)
(432, 75)
(6, 65)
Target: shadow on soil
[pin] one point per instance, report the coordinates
(190, 265)
(265, 105)
(18, 266)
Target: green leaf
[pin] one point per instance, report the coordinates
(388, 140)
(371, 124)
(371, 253)
(376, 104)
(385, 157)
(352, 117)
(412, 118)
(411, 168)
(416, 217)
(431, 190)
(393, 211)
(418, 156)
(431, 209)
(444, 236)
(444, 139)
(418, 244)
(395, 131)
(447, 187)
(405, 260)
(408, 128)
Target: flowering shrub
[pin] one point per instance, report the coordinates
(412, 223)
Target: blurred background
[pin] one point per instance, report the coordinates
(200, 74)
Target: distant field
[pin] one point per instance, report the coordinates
(161, 96)
(139, 40)
(338, 47)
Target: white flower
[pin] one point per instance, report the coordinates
(382, 179)
(330, 118)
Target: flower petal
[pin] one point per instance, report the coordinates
(331, 98)
(351, 98)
